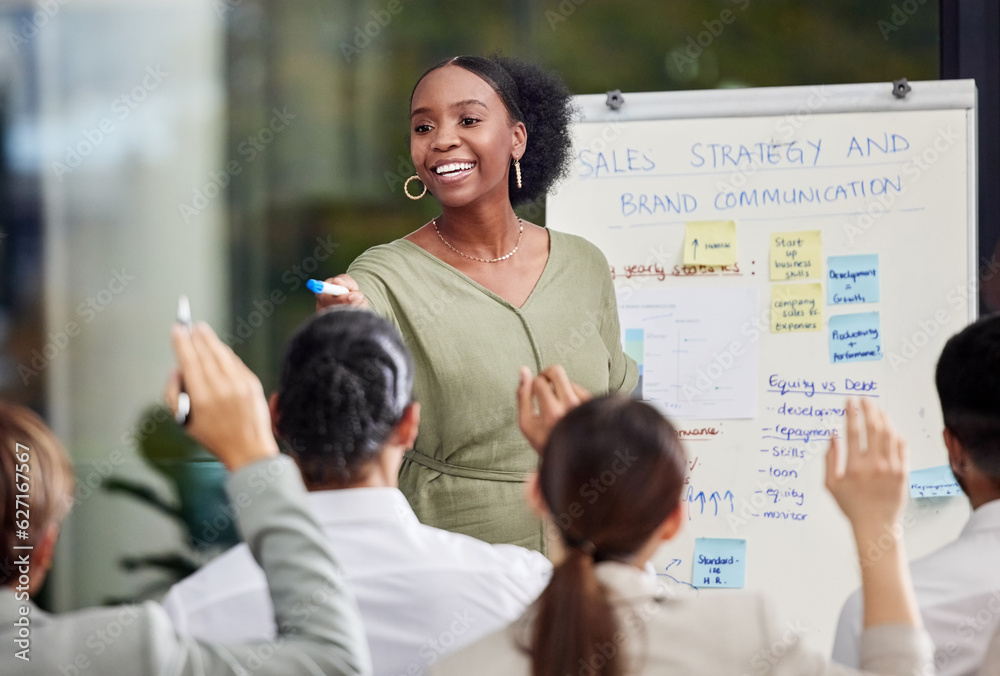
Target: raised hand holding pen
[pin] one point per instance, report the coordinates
(183, 410)
(233, 420)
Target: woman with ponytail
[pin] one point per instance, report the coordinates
(477, 292)
(610, 482)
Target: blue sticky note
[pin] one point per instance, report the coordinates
(855, 337)
(635, 346)
(720, 562)
(852, 279)
(933, 482)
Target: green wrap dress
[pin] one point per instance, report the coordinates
(466, 470)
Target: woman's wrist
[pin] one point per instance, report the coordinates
(885, 580)
(874, 542)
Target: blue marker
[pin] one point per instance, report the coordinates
(317, 286)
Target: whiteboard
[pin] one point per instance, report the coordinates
(872, 175)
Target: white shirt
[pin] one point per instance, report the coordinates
(958, 592)
(423, 592)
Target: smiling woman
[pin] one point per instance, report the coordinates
(478, 292)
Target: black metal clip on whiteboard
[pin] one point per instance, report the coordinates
(615, 99)
(900, 88)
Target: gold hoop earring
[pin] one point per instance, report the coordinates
(406, 190)
(517, 172)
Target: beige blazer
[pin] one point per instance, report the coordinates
(667, 631)
(991, 664)
(320, 633)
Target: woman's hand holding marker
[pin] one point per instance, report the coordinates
(317, 286)
(339, 290)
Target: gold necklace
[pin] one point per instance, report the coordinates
(520, 234)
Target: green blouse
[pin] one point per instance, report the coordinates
(467, 467)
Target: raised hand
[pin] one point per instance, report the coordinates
(229, 413)
(554, 394)
(871, 490)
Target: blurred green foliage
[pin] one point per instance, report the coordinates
(201, 508)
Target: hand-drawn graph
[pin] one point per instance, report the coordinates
(696, 355)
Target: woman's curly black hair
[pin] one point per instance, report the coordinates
(345, 383)
(539, 99)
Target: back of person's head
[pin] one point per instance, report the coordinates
(611, 473)
(968, 384)
(541, 101)
(36, 486)
(345, 383)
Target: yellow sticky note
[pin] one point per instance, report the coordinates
(796, 255)
(710, 243)
(796, 308)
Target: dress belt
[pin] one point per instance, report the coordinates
(465, 472)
